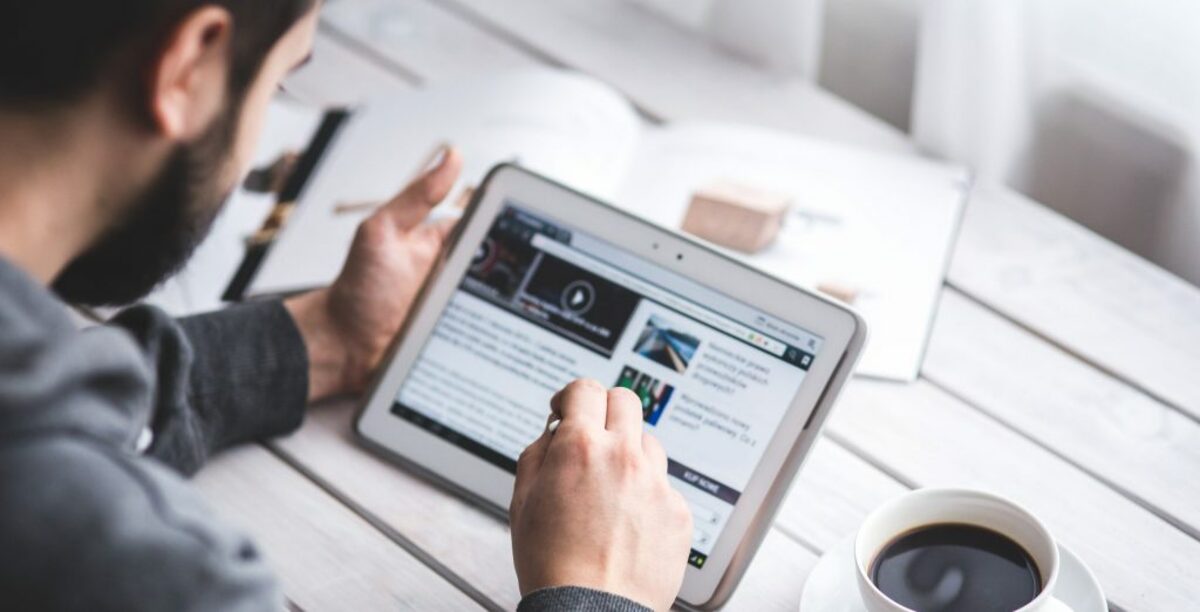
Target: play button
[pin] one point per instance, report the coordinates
(578, 297)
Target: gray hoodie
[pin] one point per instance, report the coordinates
(98, 430)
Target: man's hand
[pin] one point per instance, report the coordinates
(348, 326)
(592, 506)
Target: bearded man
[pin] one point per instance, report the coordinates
(123, 126)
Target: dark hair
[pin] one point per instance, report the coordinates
(55, 52)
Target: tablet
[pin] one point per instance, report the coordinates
(540, 285)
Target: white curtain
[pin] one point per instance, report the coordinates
(1091, 107)
(971, 96)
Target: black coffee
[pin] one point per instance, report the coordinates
(951, 567)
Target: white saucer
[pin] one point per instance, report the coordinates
(832, 586)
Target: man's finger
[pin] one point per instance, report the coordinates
(411, 206)
(528, 465)
(624, 411)
(582, 403)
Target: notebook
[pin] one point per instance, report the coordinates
(877, 227)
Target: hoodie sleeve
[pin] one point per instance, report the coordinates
(577, 599)
(91, 527)
(222, 378)
(86, 523)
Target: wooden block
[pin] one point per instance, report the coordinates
(736, 215)
(839, 291)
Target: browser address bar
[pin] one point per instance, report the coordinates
(599, 268)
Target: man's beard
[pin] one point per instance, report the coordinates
(161, 228)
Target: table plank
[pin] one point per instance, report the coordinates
(469, 543)
(622, 44)
(418, 41)
(775, 579)
(1117, 433)
(1090, 296)
(831, 496)
(935, 440)
(327, 557)
(338, 76)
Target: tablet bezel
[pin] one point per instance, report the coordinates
(842, 330)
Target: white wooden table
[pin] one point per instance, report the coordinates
(1062, 371)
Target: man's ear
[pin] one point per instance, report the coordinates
(188, 81)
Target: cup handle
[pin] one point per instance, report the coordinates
(1054, 605)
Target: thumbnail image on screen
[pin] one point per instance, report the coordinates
(555, 294)
(653, 392)
(669, 347)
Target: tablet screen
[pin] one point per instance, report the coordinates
(543, 304)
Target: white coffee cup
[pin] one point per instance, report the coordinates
(925, 507)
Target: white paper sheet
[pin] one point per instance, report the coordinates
(881, 224)
(563, 125)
